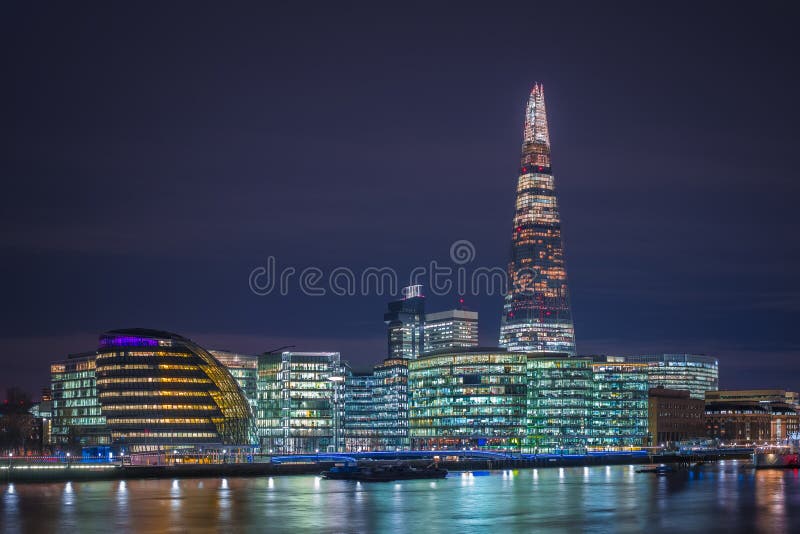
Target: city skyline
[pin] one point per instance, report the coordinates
(399, 267)
(152, 174)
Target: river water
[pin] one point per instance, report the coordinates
(730, 497)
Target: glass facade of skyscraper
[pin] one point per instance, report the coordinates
(300, 402)
(159, 389)
(690, 372)
(376, 408)
(77, 416)
(451, 329)
(391, 404)
(468, 399)
(405, 323)
(619, 404)
(559, 404)
(536, 314)
(360, 433)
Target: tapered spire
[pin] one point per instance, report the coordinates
(536, 312)
(536, 137)
(536, 117)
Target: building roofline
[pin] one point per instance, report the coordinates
(145, 332)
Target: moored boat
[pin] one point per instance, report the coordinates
(659, 470)
(382, 472)
(786, 455)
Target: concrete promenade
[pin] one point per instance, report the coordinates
(20, 470)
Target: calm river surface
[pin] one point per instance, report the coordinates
(727, 498)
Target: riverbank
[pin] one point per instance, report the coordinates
(84, 472)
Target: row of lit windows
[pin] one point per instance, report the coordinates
(144, 366)
(158, 421)
(127, 407)
(458, 400)
(133, 379)
(468, 391)
(464, 428)
(299, 366)
(476, 411)
(80, 421)
(70, 393)
(535, 181)
(157, 353)
(80, 366)
(76, 401)
(151, 435)
(154, 393)
(445, 361)
(68, 382)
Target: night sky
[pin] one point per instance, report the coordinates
(153, 155)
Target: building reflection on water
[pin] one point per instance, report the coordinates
(729, 497)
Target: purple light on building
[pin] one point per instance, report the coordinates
(127, 341)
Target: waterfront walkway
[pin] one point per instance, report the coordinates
(50, 469)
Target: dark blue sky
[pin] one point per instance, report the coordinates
(153, 155)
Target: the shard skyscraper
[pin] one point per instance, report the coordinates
(536, 313)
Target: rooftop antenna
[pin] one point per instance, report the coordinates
(273, 351)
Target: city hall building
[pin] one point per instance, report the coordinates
(157, 389)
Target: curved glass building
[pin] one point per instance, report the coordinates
(470, 398)
(159, 389)
(695, 373)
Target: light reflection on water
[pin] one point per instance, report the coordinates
(728, 497)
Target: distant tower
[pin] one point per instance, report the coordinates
(536, 313)
(451, 329)
(405, 322)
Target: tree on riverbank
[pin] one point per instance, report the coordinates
(19, 431)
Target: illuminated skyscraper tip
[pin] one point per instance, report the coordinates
(536, 117)
(536, 313)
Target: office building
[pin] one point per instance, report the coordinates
(300, 402)
(536, 313)
(42, 411)
(405, 323)
(451, 329)
(158, 389)
(694, 373)
(674, 416)
(391, 404)
(360, 410)
(77, 417)
(619, 404)
(244, 369)
(472, 398)
(376, 408)
(559, 398)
